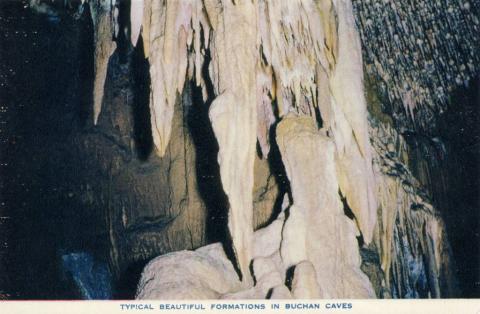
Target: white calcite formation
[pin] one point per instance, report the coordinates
(202, 274)
(317, 229)
(232, 72)
(269, 60)
(349, 126)
(136, 20)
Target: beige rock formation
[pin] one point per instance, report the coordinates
(293, 53)
(233, 76)
(202, 274)
(304, 284)
(286, 75)
(331, 248)
(168, 28)
(280, 293)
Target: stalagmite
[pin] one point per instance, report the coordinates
(280, 293)
(304, 284)
(203, 274)
(331, 248)
(312, 61)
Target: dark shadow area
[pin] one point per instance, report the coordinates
(278, 170)
(460, 129)
(142, 127)
(289, 277)
(50, 64)
(349, 213)
(318, 117)
(35, 80)
(252, 272)
(122, 38)
(126, 286)
(346, 208)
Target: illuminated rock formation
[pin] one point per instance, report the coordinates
(280, 50)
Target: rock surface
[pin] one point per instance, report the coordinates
(410, 228)
(202, 274)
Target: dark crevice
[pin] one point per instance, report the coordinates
(127, 284)
(289, 277)
(318, 117)
(277, 168)
(346, 208)
(252, 273)
(269, 294)
(349, 213)
(142, 127)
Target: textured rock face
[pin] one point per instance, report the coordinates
(410, 228)
(248, 103)
(419, 53)
(421, 62)
(158, 205)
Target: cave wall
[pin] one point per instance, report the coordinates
(422, 72)
(153, 205)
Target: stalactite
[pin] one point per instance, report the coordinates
(411, 231)
(104, 30)
(168, 38)
(233, 116)
(136, 20)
